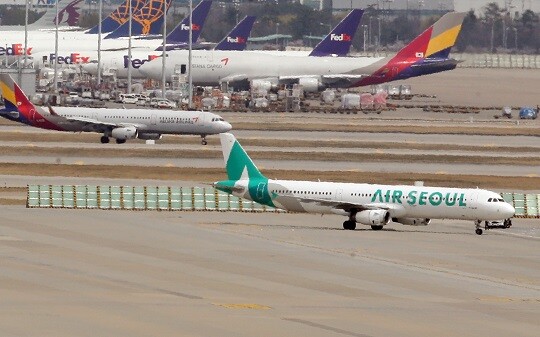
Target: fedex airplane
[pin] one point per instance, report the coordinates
(121, 124)
(366, 204)
(147, 20)
(427, 54)
(119, 60)
(69, 12)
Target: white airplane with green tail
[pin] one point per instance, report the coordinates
(367, 204)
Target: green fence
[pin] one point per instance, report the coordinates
(186, 199)
(162, 198)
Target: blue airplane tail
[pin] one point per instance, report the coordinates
(238, 36)
(118, 17)
(339, 41)
(147, 21)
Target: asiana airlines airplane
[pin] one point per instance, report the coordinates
(120, 124)
(367, 204)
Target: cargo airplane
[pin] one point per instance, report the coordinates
(121, 124)
(366, 204)
(427, 54)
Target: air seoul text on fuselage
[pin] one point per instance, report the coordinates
(414, 197)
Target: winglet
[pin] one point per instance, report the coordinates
(238, 36)
(339, 41)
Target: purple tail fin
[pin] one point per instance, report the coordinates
(238, 36)
(339, 41)
(118, 17)
(180, 33)
(147, 21)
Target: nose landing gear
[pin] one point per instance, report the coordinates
(507, 223)
(203, 140)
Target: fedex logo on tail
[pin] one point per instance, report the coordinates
(340, 37)
(237, 39)
(14, 50)
(137, 63)
(73, 58)
(186, 27)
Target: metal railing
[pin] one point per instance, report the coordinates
(167, 198)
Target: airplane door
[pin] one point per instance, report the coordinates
(339, 194)
(153, 119)
(472, 202)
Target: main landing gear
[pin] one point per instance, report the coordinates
(203, 140)
(507, 223)
(104, 140)
(349, 225)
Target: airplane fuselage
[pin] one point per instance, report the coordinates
(401, 201)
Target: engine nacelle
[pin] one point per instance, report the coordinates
(373, 218)
(267, 84)
(149, 136)
(311, 84)
(128, 132)
(412, 221)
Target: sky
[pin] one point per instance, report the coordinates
(465, 5)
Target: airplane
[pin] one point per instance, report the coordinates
(235, 40)
(68, 17)
(121, 124)
(148, 19)
(427, 54)
(366, 204)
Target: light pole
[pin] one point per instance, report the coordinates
(277, 33)
(99, 45)
(130, 24)
(515, 37)
(190, 47)
(164, 52)
(364, 26)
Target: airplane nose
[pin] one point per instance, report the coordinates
(225, 127)
(508, 211)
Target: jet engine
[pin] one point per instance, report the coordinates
(412, 221)
(128, 132)
(149, 136)
(266, 84)
(373, 218)
(311, 84)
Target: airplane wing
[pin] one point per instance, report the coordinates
(346, 206)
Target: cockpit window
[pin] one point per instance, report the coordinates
(218, 119)
(501, 200)
(490, 199)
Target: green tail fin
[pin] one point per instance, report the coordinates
(237, 162)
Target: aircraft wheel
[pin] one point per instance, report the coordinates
(479, 231)
(120, 141)
(376, 227)
(104, 139)
(204, 142)
(349, 225)
(507, 223)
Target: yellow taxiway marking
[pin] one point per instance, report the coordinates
(79, 162)
(251, 306)
(170, 165)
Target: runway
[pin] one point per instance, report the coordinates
(115, 273)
